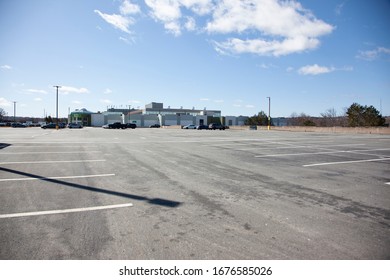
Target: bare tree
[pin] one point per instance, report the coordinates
(329, 117)
(2, 114)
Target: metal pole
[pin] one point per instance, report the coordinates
(57, 106)
(269, 113)
(129, 113)
(14, 111)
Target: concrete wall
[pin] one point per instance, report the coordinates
(149, 120)
(199, 118)
(137, 119)
(230, 120)
(171, 120)
(111, 118)
(168, 120)
(97, 119)
(186, 120)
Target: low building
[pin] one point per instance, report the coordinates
(81, 116)
(154, 113)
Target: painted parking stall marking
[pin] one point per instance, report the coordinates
(32, 153)
(50, 161)
(73, 210)
(346, 162)
(62, 177)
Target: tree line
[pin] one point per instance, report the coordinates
(354, 116)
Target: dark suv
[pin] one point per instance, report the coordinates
(215, 126)
(131, 125)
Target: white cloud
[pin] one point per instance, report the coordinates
(38, 99)
(127, 40)
(122, 21)
(41, 91)
(290, 69)
(190, 25)
(167, 12)
(373, 54)
(128, 8)
(4, 102)
(5, 67)
(339, 8)
(107, 91)
(218, 101)
(249, 106)
(267, 47)
(68, 89)
(118, 21)
(204, 99)
(315, 70)
(283, 27)
(77, 102)
(105, 101)
(275, 27)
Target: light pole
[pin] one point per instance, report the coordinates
(57, 106)
(129, 113)
(14, 111)
(269, 113)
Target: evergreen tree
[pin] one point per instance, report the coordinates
(260, 119)
(359, 115)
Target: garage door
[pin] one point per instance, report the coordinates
(186, 122)
(148, 123)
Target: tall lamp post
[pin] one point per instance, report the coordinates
(14, 111)
(129, 113)
(269, 113)
(57, 107)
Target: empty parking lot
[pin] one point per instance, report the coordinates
(187, 194)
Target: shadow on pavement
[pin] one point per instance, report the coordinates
(4, 145)
(156, 201)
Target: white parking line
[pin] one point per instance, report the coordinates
(32, 153)
(39, 213)
(51, 146)
(50, 161)
(387, 183)
(345, 162)
(62, 177)
(300, 154)
(320, 153)
(306, 146)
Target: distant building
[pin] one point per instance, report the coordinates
(155, 108)
(81, 116)
(154, 113)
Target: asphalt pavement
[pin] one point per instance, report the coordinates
(161, 193)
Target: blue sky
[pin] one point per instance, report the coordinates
(308, 56)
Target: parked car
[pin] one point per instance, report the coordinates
(155, 126)
(75, 125)
(131, 125)
(191, 126)
(215, 126)
(18, 125)
(49, 125)
(200, 127)
(117, 125)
